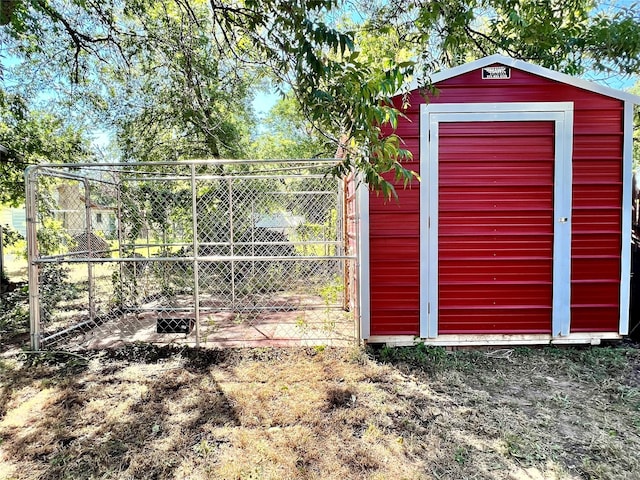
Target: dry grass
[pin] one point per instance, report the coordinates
(149, 412)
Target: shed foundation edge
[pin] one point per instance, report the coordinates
(495, 339)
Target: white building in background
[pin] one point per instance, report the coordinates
(71, 211)
(16, 218)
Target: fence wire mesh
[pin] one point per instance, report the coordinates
(207, 253)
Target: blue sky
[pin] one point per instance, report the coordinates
(263, 102)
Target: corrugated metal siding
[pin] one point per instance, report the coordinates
(395, 259)
(597, 193)
(597, 219)
(495, 222)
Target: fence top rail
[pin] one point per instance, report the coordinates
(186, 163)
(201, 258)
(230, 177)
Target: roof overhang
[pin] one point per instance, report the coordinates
(533, 69)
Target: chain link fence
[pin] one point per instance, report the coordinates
(212, 253)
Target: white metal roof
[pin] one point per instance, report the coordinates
(279, 221)
(534, 69)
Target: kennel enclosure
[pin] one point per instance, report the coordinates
(218, 253)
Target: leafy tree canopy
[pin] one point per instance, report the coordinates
(174, 78)
(286, 133)
(30, 137)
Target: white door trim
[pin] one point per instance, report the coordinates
(625, 254)
(561, 113)
(364, 263)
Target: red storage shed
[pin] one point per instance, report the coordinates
(519, 231)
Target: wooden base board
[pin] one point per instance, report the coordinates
(496, 339)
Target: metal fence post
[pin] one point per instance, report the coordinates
(89, 232)
(233, 265)
(32, 256)
(342, 233)
(196, 253)
(121, 242)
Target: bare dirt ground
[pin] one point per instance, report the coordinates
(321, 413)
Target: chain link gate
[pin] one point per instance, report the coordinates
(217, 253)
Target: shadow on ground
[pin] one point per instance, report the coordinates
(126, 412)
(167, 412)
